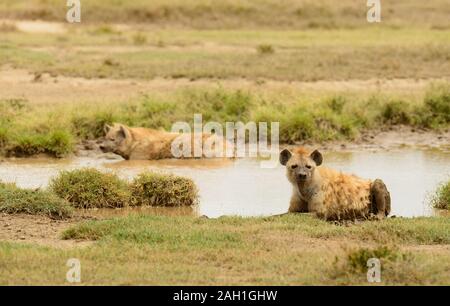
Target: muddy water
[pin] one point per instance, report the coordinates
(242, 187)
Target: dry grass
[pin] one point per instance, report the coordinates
(7, 27)
(293, 56)
(230, 14)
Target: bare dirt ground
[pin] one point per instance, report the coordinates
(36, 26)
(39, 230)
(393, 138)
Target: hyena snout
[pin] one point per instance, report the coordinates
(302, 176)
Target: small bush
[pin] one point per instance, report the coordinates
(14, 200)
(110, 62)
(139, 39)
(357, 260)
(156, 189)
(90, 188)
(105, 30)
(265, 49)
(441, 199)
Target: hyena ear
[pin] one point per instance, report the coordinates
(285, 155)
(317, 157)
(124, 131)
(106, 128)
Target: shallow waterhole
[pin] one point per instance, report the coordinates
(241, 187)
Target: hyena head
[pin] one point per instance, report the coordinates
(118, 139)
(300, 165)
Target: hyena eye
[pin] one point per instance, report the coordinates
(294, 166)
(308, 167)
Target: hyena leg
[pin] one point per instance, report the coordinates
(297, 205)
(380, 199)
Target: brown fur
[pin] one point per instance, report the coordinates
(330, 194)
(142, 143)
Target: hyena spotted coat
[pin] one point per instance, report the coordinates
(330, 194)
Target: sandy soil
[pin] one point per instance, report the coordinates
(39, 230)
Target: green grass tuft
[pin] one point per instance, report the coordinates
(57, 143)
(14, 200)
(265, 49)
(437, 107)
(156, 189)
(179, 233)
(441, 199)
(357, 259)
(90, 188)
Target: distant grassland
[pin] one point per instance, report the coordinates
(228, 14)
(108, 51)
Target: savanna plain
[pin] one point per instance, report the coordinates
(331, 79)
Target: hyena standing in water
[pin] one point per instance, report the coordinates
(330, 194)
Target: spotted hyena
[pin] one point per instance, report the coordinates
(145, 144)
(330, 194)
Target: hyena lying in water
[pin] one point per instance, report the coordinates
(330, 194)
(147, 144)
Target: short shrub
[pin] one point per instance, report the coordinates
(265, 49)
(14, 200)
(155, 189)
(90, 188)
(441, 199)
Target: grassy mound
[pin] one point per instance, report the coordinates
(90, 188)
(441, 199)
(156, 189)
(15, 200)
